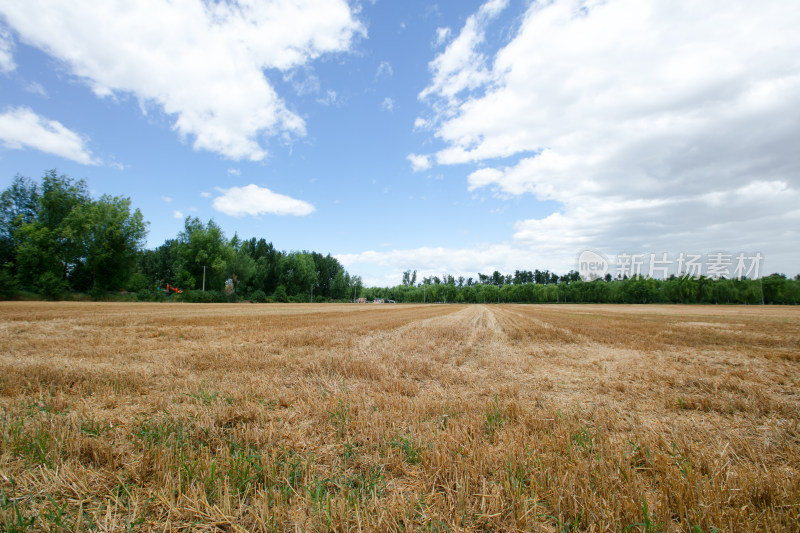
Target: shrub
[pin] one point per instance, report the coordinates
(202, 297)
(258, 296)
(280, 294)
(138, 282)
(52, 287)
(144, 295)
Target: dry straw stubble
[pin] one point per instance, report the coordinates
(387, 418)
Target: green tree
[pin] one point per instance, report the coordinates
(109, 236)
(203, 246)
(18, 206)
(266, 274)
(50, 242)
(340, 285)
(298, 274)
(280, 294)
(241, 266)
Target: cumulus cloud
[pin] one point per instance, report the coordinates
(254, 200)
(177, 214)
(202, 62)
(419, 162)
(387, 104)
(653, 124)
(22, 128)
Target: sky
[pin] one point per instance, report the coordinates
(450, 138)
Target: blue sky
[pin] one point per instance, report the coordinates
(450, 137)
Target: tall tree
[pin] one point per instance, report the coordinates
(50, 243)
(298, 273)
(109, 236)
(204, 246)
(18, 206)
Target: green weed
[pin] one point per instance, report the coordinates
(494, 419)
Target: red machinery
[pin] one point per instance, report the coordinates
(174, 289)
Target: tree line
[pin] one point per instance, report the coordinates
(546, 287)
(56, 240)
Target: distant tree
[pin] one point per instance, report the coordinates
(19, 204)
(326, 268)
(280, 294)
(266, 275)
(51, 242)
(108, 236)
(340, 285)
(498, 278)
(357, 285)
(298, 274)
(240, 266)
(204, 246)
(258, 296)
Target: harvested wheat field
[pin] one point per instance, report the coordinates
(162, 417)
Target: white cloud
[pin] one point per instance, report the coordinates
(419, 162)
(205, 194)
(22, 128)
(442, 34)
(234, 172)
(461, 66)
(254, 200)
(202, 62)
(177, 214)
(387, 104)
(384, 70)
(653, 124)
(6, 52)
(167, 199)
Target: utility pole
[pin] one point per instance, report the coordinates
(204, 278)
(761, 282)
